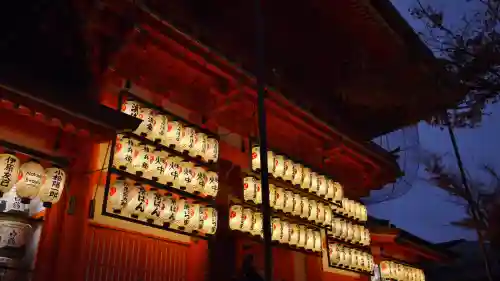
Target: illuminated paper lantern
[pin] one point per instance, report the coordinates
(285, 232)
(172, 171)
(345, 206)
(313, 210)
(356, 233)
(305, 207)
(14, 234)
(288, 173)
(124, 151)
(9, 169)
(339, 192)
(157, 166)
(343, 230)
(310, 239)
(159, 128)
(330, 192)
(235, 217)
(153, 205)
(142, 158)
(355, 259)
(168, 209)
(272, 195)
(200, 145)
(256, 160)
(193, 218)
(276, 230)
(137, 203)
(367, 237)
(334, 253)
(131, 108)
(328, 216)
(212, 153)
(337, 227)
(200, 180)
(246, 220)
(364, 213)
(295, 232)
(279, 166)
(173, 134)
(250, 188)
(187, 139)
(302, 236)
(345, 258)
(186, 177)
(317, 241)
(30, 178)
(322, 186)
(52, 186)
(314, 187)
(257, 223)
(297, 205)
(306, 179)
(208, 220)
(350, 232)
(289, 201)
(385, 269)
(118, 195)
(181, 218)
(321, 213)
(212, 186)
(145, 129)
(298, 173)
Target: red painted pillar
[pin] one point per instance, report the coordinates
(197, 261)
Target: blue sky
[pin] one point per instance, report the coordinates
(425, 210)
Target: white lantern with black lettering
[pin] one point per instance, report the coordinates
(30, 178)
(288, 173)
(306, 179)
(276, 230)
(212, 153)
(302, 236)
(200, 145)
(137, 202)
(118, 195)
(208, 220)
(328, 216)
(313, 210)
(272, 195)
(159, 127)
(173, 171)
(145, 129)
(364, 213)
(142, 159)
(310, 239)
(257, 229)
(314, 188)
(289, 201)
(168, 209)
(193, 219)
(187, 139)
(9, 171)
(305, 207)
(52, 186)
(153, 205)
(298, 173)
(322, 186)
(285, 232)
(157, 166)
(337, 227)
(279, 166)
(280, 198)
(246, 220)
(181, 219)
(132, 108)
(317, 241)
(294, 236)
(235, 217)
(320, 219)
(200, 179)
(334, 253)
(212, 185)
(250, 188)
(14, 234)
(173, 135)
(186, 177)
(297, 205)
(339, 192)
(124, 152)
(330, 192)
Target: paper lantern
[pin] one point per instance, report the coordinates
(285, 232)
(294, 235)
(168, 209)
(309, 239)
(142, 158)
(364, 213)
(343, 230)
(193, 218)
(328, 216)
(288, 173)
(131, 108)
(153, 205)
(272, 195)
(14, 234)
(289, 201)
(212, 186)
(200, 145)
(345, 206)
(212, 153)
(257, 224)
(246, 220)
(317, 241)
(339, 192)
(124, 151)
(280, 198)
(354, 258)
(298, 173)
(345, 257)
(9, 169)
(279, 166)
(235, 217)
(52, 186)
(356, 233)
(306, 179)
(200, 179)
(159, 128)
(250, 188)
(137, 203)
(350, 232)
(334, 253)
(118, 195)
(302, 236)
(385, 269)
(321, 213)
(157, 167)
(276, 229)
(313, 210)
(330, 192)
(187, 139)
(367, 236)
(186, 177)
(297, 205)
(172, 171)
(173, 134)
(181, 218)
(305, 207)
(208, 220)
(256, 160)
(30, 178)
(337, 227)
(322, 186)
(314, 187)
(145, 129)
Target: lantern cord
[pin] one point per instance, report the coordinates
(102, 168)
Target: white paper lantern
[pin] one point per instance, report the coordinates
(302, 236)
(142, 159)
(168, 209)
(314, 187)
(257, 224)
(256, 160)
(137, 203)
(285, 232)
(354, 258)
(9, 169)
(235, 217)
(157, 166)
(187, 139)
(200, 179)
(320, 219)
(330, 192)
(246, 220)
(337, 227)
(280, 198)
(250, 188)
(339, 192)
(279, 166)
(14, 234)
(145, 129)
(124, 152)
(306, 179)
(297, 205)
(364, 214)
(298, 173)
(385, 269)
(30, 178)
(276, 229)
(212, 153)
(182, 213)
(52, 186)
(186, 177)
(350, 232)
(328, 216)
(288, 173)
(200, 145)
(131, 108)
(289, 202)
(208, 220)
(367, 236)
(305, 207)
(322, 186)
(212, 186)
(356, 233)
(313, 210)
(317, 241)
(118, 195)
(295, 232)
(153, 205)
(272, 196)
(310, 239)
(159, 128)
(334, 253)
(173, 171)
(345, 258)
(173, 135)
(193, 218)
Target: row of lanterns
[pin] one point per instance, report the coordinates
(282, 231)
(30, 180)
(281, 167)
(158, 165)
(169, 132)
(353, 209)
(396, 271)
(352, 233)
(348, 257)
(131, 199)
